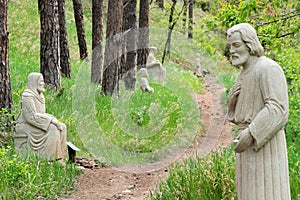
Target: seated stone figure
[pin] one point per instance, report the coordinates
(36, 130)
(198, 72)
(144, 84)
(154, 67)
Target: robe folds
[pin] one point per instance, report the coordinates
(262, 107)
(34, 130)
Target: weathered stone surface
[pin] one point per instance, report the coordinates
(258, 104)
(36, 130)
(144, 83)
(154, 67)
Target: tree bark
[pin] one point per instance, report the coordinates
(191, 22)
(113, 48)
(97, 39)
(129, 24)
(5, 84)
(172, 23)
(143, 41)
(78, 14)
(185, 2)
(65, 67)
(49, 42)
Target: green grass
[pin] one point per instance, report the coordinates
(209, 178)
(32, 178)
(137, 127)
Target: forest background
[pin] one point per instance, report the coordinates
(277, 23)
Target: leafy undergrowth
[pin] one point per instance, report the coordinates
(32, 178)
(209, 178)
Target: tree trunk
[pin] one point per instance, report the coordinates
(143, 41)
(172, 23)
(65, 67)
(5, 84)
(78, 14)
(49, 42)
(185, 2)
(129, 24)
(190, 32)
(160, 4)
(113, 48)
(97, 39)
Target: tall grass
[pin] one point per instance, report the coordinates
(29, 177)
(209, 178)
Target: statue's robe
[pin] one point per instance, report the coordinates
(41, 135)
(262, 107)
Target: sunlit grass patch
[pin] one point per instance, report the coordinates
(134, 126)
(29, 177)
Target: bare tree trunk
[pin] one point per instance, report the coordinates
(185, 2)
(172, 24)
(113, 48)
(160, 4)
(97, 39)
(143, 41)
(65, 67)
(123, 43)
(5, 84)
(78, 14)
(129, 24)
(49, 39)
(191, 22)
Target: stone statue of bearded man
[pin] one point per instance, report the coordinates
(37, 130)
(258, 104)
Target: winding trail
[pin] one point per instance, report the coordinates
(113, 184)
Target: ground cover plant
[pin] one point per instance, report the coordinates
(27, 177)
(32, 178)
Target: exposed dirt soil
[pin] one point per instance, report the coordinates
(113, 184)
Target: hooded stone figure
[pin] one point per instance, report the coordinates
(36, 130)
(258, 104)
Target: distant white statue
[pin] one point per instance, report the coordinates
(258, 104)
(198, 66)
(36, 130)
(144, 83)
(154, 67)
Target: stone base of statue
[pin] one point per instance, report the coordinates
(20, 142)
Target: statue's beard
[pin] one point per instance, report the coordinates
(239, 60)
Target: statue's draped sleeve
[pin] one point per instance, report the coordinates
(274, 114)
(31, 116)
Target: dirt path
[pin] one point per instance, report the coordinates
(113, 184)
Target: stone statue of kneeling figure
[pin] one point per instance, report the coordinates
(36, 130)
(154, 67)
